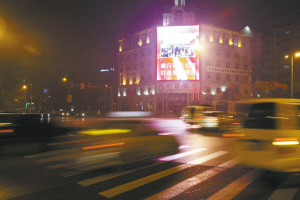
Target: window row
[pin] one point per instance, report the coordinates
(135, 55)
(227, 65)
(135, 79)
(227, 77)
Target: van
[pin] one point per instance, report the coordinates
(192, 114)
(271, 134)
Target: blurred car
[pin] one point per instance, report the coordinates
(77, 114)
(191, 114)
(270, 137)
(218, 120)
(114, 143)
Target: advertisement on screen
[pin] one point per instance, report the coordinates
(178, 53)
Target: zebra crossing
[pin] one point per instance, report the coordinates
(183, 185)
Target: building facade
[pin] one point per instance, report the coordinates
(216, 61)
(271, 47)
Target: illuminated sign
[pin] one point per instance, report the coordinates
(178, 53)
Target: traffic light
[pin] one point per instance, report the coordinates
(89, 86)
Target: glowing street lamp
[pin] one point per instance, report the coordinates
(297, 54)
(64, 79)
(24, 87)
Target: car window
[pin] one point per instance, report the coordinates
(262, 116)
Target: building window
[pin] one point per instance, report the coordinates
(128, 68)
(218, 90)
(121, 69)
(206, 36)
(237, 66)
(142, 78)
(227, 65)
(218, 77)
(227, 54)
(127, 80)
(142, 65)
(121, 80)
(121, 58)
(246, 92)
(134, 80)
(227, 77)
(245, 67)
(150, 77)
(185, 85)
(218, 52)
(226, 40)
(142, 54)
(134, 56)
(245, 57)
(128, 57)
(176, 85)
(235, 41)
(237, 78)
(207, 89)
(207, 76)
(218, 64)
(237, 55)
(246, 79)
(150, 52)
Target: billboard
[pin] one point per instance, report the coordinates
(178, 53)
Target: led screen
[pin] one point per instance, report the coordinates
(178, 53)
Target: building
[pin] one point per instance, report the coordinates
(271, 47)
(164, 68)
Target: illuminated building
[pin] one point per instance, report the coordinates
(269, 62)
(164, 68)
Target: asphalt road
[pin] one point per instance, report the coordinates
(204, 169)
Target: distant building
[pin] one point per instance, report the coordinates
(162, 69)
(269, 62)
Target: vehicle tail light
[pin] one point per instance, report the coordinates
(92, 147)
(233, 135)
(235, 123)
(199, 119)
(6, 131)
(285, 141)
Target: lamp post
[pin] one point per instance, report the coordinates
(297, 54)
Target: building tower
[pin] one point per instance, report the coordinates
(162, 69)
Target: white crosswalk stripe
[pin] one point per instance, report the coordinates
(140, 182)
(285, 190)
(184, 185)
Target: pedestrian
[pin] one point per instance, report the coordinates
(98, 113)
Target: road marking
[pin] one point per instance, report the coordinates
(285, 194)
(113, 175)
(230, 191)
(180, 155)
(105, 177)
(284, 191)
(49, 153)
(56, 158)
(148, 179)
(185, 185)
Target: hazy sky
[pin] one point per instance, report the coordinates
(76, 38)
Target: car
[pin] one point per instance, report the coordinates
(217, 120)
(270, 137)
(114, 142)
(192, 114)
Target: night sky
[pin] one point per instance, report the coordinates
(78, 38)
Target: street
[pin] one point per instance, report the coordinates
(203, 169)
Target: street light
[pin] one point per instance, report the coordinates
(297, 54)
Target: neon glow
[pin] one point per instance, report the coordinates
(178, 53)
